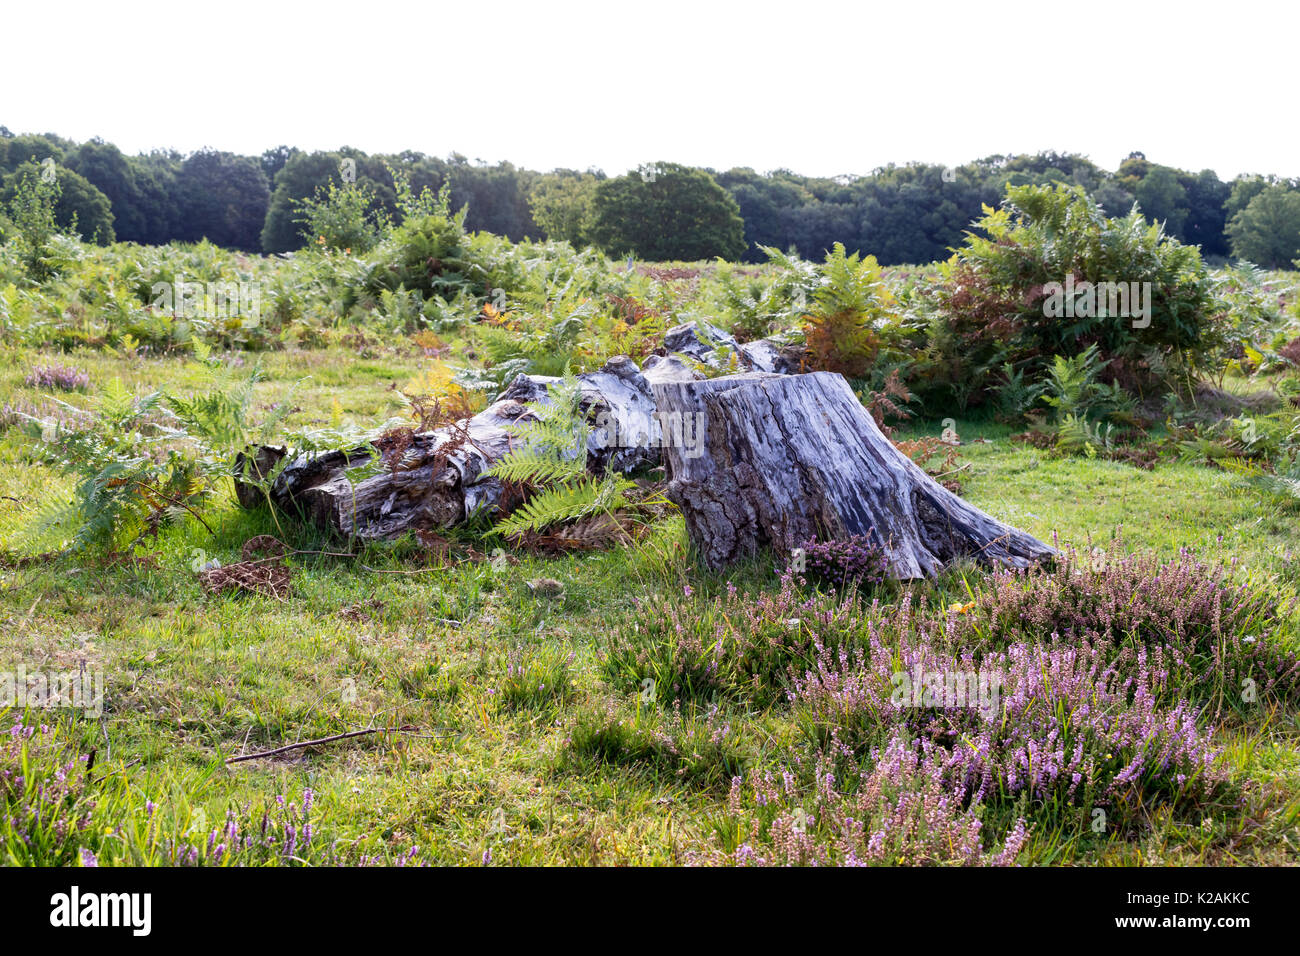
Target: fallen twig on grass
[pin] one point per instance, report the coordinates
(326, 740)
(121, 769)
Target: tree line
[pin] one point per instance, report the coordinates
(901, 214)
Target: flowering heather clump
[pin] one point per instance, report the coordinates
(1202, 623)
(63, 377)
(284, 835)
(46, 813)
(1114, 595)
(1096, 686)
(1067, 725)
(855, 559)
(737, 646)
(900, 812)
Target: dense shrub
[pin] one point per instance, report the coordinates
(846, 309)
(995, 302)
(424, 253)
(666, 211)
(78, 207)
(1211, 634)
(342, 217)
(1063, 723)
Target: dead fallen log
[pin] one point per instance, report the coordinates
(440, 478)
(707, 344)
(788, 459)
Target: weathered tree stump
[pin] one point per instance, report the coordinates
(788, 459)
(439, 479)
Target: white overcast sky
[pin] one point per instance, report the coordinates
(818, 87)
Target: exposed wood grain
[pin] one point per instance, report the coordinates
(440, 480)
(787, 459)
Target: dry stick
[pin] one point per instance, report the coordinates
(174, 500)
(124, 767)
(326, 740)
(953, 472)
(294, 551)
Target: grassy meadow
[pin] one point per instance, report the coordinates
(1156, 722)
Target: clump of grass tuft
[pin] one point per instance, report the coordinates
(536, 680)
(57, 810)
(738, 646)
(702, 750)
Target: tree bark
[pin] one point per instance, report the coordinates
(439, 479)
(789, 459)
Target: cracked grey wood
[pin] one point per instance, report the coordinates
(434, 486)
(790, 458)
(429, 490)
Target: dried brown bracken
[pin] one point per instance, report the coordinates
(363, 611)
(262, 571)
(435, 544)
(271, 579)
(592, 533)
(890, 400)
(264, 546)
(924, 450)
(1291, 351)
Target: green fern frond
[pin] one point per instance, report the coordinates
(554, 447)
(564, 503)
(1281, 490)
(115, 400)
(537, 467)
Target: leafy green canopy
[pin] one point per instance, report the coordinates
(78, 206)
(1267, 230)
(666, 211)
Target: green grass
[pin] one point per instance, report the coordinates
(522, 753)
